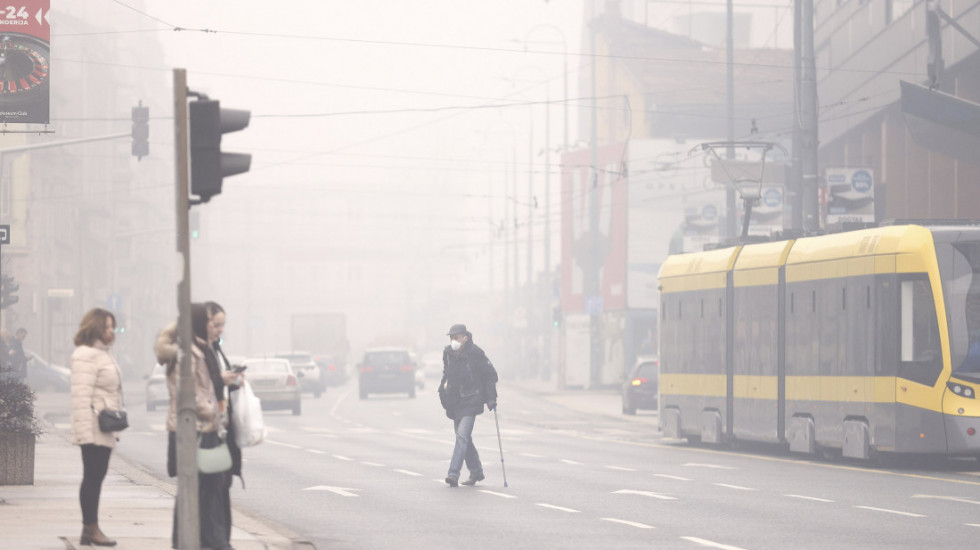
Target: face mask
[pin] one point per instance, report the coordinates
(455, 344)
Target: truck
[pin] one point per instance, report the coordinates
(324, 335)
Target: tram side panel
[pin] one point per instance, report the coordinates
(756, 353)
(692, 378)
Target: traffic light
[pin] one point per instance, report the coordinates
(194, 220)
(209, 165)
(141, 131)
(556, 316)
(8, 294)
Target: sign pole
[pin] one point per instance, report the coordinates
(188, 527)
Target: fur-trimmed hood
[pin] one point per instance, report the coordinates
(166, 346)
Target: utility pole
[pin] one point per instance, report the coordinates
(593, 302)
(530, 204)
(796, 168)
(807, 108)
(188, 526)
(730, 115)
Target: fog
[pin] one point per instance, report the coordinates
(405, 166)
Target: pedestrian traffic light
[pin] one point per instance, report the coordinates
(209, 165)
(141, 131)
(556, 316)
(194, 220)
(8, 294)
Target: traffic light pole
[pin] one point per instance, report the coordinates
(188, 526)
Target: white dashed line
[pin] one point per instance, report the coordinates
(566, 461)
(342, 457)
(503, 495)
(371, 463)
(954, 499)
(972, 524)
(560, 508)
(668, 476)
(316, 452)
(287, 445)
(804, 497)
(407, 472)
(886, 510)
(715, 466)
(644, 493)
(620, 468)
(738, 487)
(630, 523)
(711, 544)
(532, 455)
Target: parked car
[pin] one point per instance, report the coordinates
(432, 365)
(333, 371)
(306, 370)
(274, 382)
(157, 393)
(640, 387)
(386, 370)
(43, 376)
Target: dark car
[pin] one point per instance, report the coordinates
(333, 370)
(43, 376)
(306, 369)
(640, 387)
(386, 370)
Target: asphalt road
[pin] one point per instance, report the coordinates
(369, 474)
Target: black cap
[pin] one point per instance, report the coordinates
(456, 329)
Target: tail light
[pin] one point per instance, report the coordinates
(639, 381)
(332, 368)
(290, 380)
(407, 367)
(367, 369)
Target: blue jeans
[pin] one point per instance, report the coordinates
(464, 449)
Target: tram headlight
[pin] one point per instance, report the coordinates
(961, 390)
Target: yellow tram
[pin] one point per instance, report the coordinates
(862, 342)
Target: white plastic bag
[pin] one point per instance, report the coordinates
(247, 416)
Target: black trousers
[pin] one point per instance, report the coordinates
(95, 461)
(213, 501)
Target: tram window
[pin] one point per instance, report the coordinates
(869, 297)
(843, 298)
(719, 308)
(680, 310)
(702, 308)
(920, 347)
(813, 300)
(791, 295)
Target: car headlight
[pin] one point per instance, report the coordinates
(961, 390)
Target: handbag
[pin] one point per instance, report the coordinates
(246, 415)
(112, 421)
(212, 458)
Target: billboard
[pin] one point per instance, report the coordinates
(850, 195)
(25, 61)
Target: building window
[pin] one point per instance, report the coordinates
(895, 9)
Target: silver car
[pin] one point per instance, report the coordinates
(274, 382)
(157, 393)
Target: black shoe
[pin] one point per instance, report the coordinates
(473, 479)
(452, 481)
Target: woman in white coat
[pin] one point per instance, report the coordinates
(96, 384)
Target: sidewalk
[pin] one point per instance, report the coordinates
(605, 402)
(136, 508)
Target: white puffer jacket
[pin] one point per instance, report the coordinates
(96, 384)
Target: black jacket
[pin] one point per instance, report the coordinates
(468, 381)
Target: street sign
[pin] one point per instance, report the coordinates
(61, 292)
(114, 302)
(4, 234)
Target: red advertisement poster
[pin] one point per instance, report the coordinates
(25, 57)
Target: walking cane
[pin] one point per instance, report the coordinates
(501, 445)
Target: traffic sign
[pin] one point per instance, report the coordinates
(4, 234)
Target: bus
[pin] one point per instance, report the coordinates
(855, 343)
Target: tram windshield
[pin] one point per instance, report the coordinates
(961, 283)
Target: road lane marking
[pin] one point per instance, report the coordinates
(316, 452)
(342, 491)
(715, 466)
(342, 457)
(494, 493)
(371, 463)
(738, 487)
(804, 497)
(287, 445)
(407, 472)
(650, 494)
(668, 476)
(620, 468)
(532, 455)
(630, 523)
(560, 508)
(972, 524)
(327, 436)
(954, 499)
(158, 427)
(909, 514)
(711, 544)
(566, 461)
